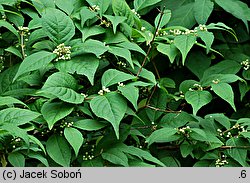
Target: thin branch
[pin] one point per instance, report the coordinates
(150, 44)
(176, 147)
(22, 45)
(161, 110)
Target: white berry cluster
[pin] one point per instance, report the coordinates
(121, 84)
(245, 64)
(23, 30)
(4, 17)
(184, 130)
(1, 63)
(94, 8)
(66, 124)
(220, 162)
(84, 95)
(196, 87)
(137, 14)
(123, 64)
(228, 133)
(202, 27)
(63, 52)
(89, 155)
(103, 91)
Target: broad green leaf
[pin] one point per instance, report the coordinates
(184, 43)
(103, 5)
(89, 46)
(198, 99)
(244, 88)
(131, 46)
(74, 137)
(83, 65)
(62, 86)
(186, 149)
(170, 161)
(220, 118)
(16, 159)
(113, 76)
(245, 134)
(8, 26)
(207, 38)
(131, 93)
(246, 74)
(198, 134)
(236, 8)
(163, 135)
(224, 91)
(38, 142)
(86, 14)
(89, 125)
(58, 26)
(53, 112)
(17, 116)
(39, 157)
(115, 156)
(165, 18)
(220, 78)
(111, 107)
(58, 149)
(35, 61)
(10, 100)
(141, 4)
(122, 52)
(238, 154)
(14, 51)
(66, 6)
(168, 49)
(96, 162)
(202, 10)
(183, 16)
(115, 20)
(121, 8)
(186, 85)
(90, 31)
(197, 62)
(41, 6)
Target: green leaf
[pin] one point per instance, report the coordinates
(74, 137)
(57, 25)
(83, 65)
(111, 107)
(121, 8)
(162, 135)
(38, 142)
(184, 43)
(16, 159)
(198, 134)
(17, 116)
(122, 52)
(66, 6)
(58, 149)
(246, 74)
(86, 14)
(131, 93)
(8, 26)
(141, 4)
(168, 49)
(90, 46)
(115, 156)
(131, 46)
(207, 38)
(53, 112)
(115, 20)
(165, 18)
(89, 125)
(14, 51)
(224, 91)
(236, 8)
(35, 61)
(202, 10)
(113, 76)
(10, 100)
(186, 149)
(62, 86)
(198, 99)
(39, 157)
(90, 31)
(238, 154)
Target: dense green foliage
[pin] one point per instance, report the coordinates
(124, 83)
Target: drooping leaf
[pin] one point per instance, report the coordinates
(131, 93)
(122, 52)
(164, 20)
(89, 124)
(162, 135)
(90, 31)
(53, 112)
(66, 6)
(58, 149)
(141, 4)
(86, 14)
(113, 76)
(111, 107)
(35, 61)
(38, 142)
(224, 91)
(8, 26)
(58, 26)
(184, 43)
(14, 51)
(198, 99)
(168, 49)
(74, 137)
(202, 10)
(84, 65)
(207, 38)
(115, 156)
(115, 20)
(17, 116)
(16, 159)
(39, 157)
(10, 100)
(198, 134)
